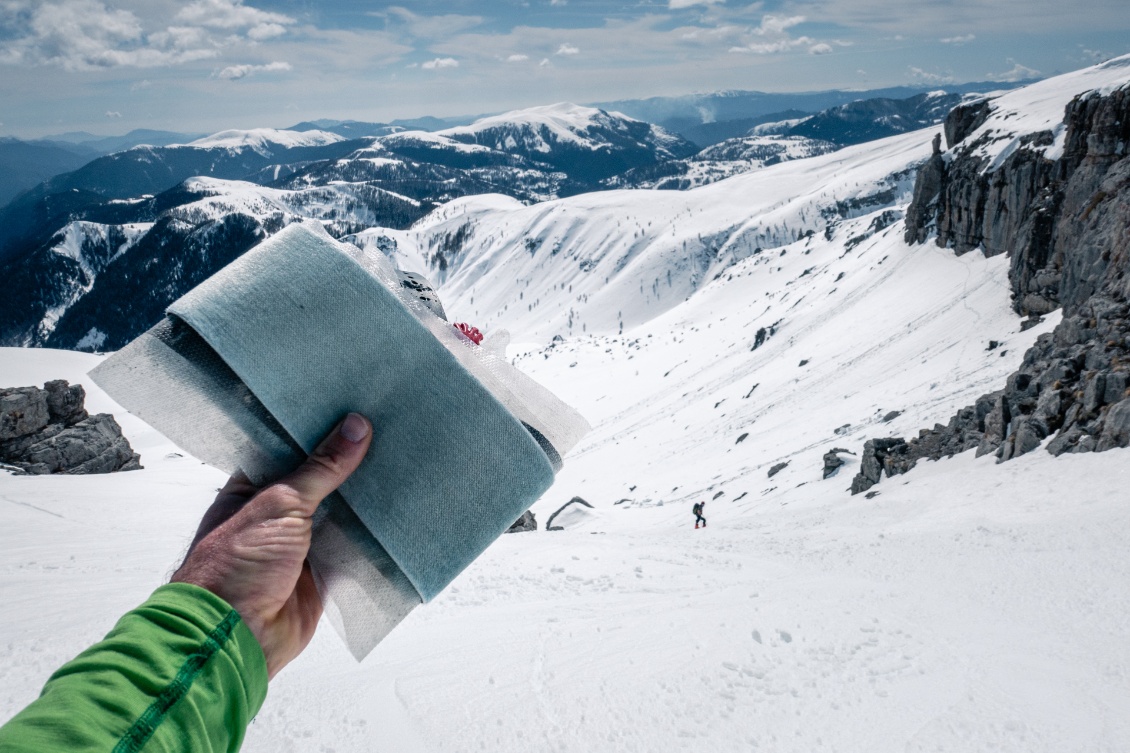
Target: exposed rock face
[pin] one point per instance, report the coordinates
(964, 120)
(49, 431)
(924, 203)
(878, 455)
(1056, 218)
(23, 410)
(525, 523)
(1066, 225)
(832, 461)
(778, 468)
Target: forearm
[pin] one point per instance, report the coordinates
(179, 673)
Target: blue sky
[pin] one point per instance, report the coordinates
(107, 66)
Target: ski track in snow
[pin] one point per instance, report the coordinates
(967, 606)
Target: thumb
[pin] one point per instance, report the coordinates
(328, 465)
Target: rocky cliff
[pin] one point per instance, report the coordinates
(1058, 203)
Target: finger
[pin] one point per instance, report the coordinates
(328, 466)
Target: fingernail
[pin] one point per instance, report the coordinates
(354, 428)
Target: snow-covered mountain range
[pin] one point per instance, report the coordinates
(389, 181)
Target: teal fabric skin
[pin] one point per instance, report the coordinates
(313, 335)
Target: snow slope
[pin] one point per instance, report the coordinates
(723, 160)
(1039, 107)
(965, 606)
(589, 262)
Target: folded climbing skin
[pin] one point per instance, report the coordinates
(254, 366)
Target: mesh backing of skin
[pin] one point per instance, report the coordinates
(173, 380)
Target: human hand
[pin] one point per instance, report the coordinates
(250, 549)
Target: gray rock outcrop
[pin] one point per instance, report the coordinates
(525, 523)
(1065, 223)
(886, 454)
(1057, 219)
(964, 120)
(832, 460)
(48, 430)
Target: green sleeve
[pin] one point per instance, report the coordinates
(182, 672)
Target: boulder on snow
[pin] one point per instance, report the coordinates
(832, 461)
(48, 430)
(878, 455)
(778, 468)
(525, 523)
(570, 513)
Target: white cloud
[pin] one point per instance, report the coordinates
(711, 34)
(83, 35)
(1018, 72)
(676, 4)
(927, 77)
(266, 31)
(545, 63)
(427, 27)
(137, 86)
(517, 58)
(113, 114)
(229, 14)
(567, 49)
(439, 63)
(236, 72)
(958, 40)
(772, 36)
(773, 25)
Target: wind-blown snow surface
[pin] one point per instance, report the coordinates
(967, 606)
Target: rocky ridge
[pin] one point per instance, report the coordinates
(1063, 217)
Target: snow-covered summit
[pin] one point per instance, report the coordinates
(263, 139)
(549, 127)
(561, 122)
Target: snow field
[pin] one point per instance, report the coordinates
(969, 606)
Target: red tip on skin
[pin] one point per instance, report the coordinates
(472, 333)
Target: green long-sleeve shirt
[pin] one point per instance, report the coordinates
(182, 672)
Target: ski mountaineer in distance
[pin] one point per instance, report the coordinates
(697, 510)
